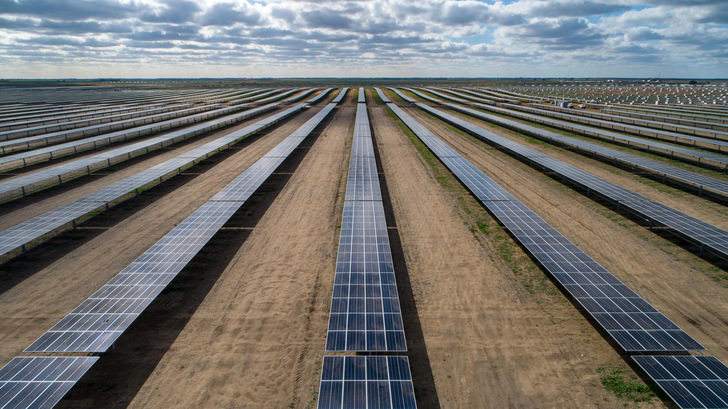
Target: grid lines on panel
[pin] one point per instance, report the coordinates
(40, 382)
(371, 382)
(365, 311)
(693, 382)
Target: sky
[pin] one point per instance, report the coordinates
(364, 38)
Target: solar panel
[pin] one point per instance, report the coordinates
(707, 236)
(95, 325)
(382, 96)
(320, 96)
(402, 95)
(629, 319)
(370, 382)
(362, 98)
(341, 96)
(700, 182)
(40, 382)
(693, 382)
(365, 312)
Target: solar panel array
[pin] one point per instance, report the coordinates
(665, 172)
(382, 96)
(630, 320)
(95, 324)
(40, 382)
(676, 152)
(370, 382)
(365, 311)
(707, 236)
(23, 185)
(693, 382)
(341, 96)
(30, 142)
(56, 151)
(361, 99)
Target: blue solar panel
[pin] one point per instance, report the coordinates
(368, 382)
(40, 382)
(693, 382)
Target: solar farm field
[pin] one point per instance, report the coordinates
(431, 244)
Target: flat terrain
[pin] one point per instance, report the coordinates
(244, 324)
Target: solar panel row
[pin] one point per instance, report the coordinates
(707, 236)
(402, 95)
(300, 96)
(365, 312)
(629, 319)
(94, 325)
(361, 99)
(320, 96)
(700, 182)
(341, 96)
(382, 96)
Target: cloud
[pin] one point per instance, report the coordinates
(373, 37)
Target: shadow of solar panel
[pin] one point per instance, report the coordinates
(382, 382)
(40, 382)
(691, 381)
